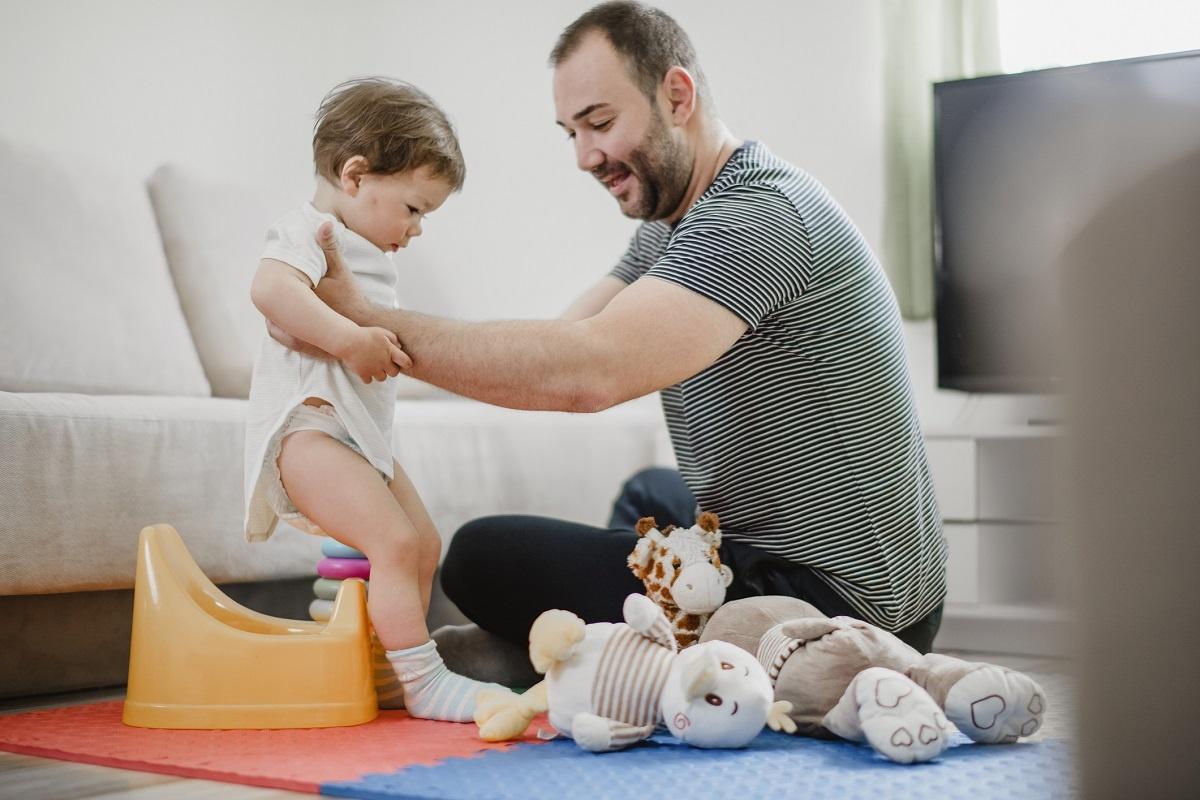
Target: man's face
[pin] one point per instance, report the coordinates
(620, 137)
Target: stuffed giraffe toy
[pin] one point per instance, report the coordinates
(682, 572)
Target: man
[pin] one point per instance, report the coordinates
(753, 304)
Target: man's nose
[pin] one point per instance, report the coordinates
(587, 156)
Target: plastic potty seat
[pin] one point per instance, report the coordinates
(197, 659)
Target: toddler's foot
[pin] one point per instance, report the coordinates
(431, 690)
(994, 705)
(891, 712)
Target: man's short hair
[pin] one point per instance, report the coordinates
(649, 39)
(392, 124)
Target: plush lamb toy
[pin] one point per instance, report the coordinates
(847, 678)
(682, 572)
(608, 685)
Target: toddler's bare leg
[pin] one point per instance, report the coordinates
(342, 493)
(429, 542)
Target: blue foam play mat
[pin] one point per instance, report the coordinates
(774, 766)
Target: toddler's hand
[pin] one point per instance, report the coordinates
(373, 354)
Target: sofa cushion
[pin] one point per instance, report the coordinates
(81, 475)
(470, 460)
(213, 235)
(88, 304)
(214, 232)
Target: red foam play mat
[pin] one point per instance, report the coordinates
(299, 760)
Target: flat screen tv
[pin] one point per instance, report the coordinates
(1021, 163)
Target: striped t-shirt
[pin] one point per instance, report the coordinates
(803, 436)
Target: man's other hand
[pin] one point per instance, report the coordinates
(337, 289)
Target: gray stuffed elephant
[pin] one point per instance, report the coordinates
(850, 679)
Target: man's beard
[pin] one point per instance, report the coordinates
(663, 170)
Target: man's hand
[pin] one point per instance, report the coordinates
(337, 289)
(372, 354)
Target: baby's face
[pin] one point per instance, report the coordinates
(387, 210)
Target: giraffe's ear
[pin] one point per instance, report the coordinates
(639, 559)
(645, 524)
(713, 538)
(709, 531)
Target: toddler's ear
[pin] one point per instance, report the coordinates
(352, 173)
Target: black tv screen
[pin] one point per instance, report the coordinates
(1021, 163)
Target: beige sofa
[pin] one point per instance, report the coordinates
(128, 339)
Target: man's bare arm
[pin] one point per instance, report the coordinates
(593, 301)
(649, 335)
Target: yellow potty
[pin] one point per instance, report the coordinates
(200, 660)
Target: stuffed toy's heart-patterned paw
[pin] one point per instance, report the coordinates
(892, 713)
(994, 705)
(890, 690)
(986, 710)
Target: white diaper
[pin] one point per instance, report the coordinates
(304, 418)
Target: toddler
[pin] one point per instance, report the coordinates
(318, 431)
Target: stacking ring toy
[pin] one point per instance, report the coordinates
(326, 588)
(320, 610)
(339, 568)
(335, 549)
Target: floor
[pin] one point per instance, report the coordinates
(33, 778)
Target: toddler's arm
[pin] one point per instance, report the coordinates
(285, 296)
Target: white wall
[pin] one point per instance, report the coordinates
(229, 89)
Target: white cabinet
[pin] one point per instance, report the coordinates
(997, 491)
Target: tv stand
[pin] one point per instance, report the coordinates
(994, 473)
(1002, 411)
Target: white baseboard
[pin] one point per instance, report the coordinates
(1027, 630)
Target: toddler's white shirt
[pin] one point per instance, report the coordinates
(284, 378)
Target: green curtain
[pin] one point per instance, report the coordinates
(925, 41)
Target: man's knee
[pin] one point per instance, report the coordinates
(649, 482)
(657, 492)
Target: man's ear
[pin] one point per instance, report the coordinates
(680, 89)
(352, 172)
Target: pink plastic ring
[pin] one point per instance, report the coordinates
(339, 568)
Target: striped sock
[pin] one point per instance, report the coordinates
(431, 690)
